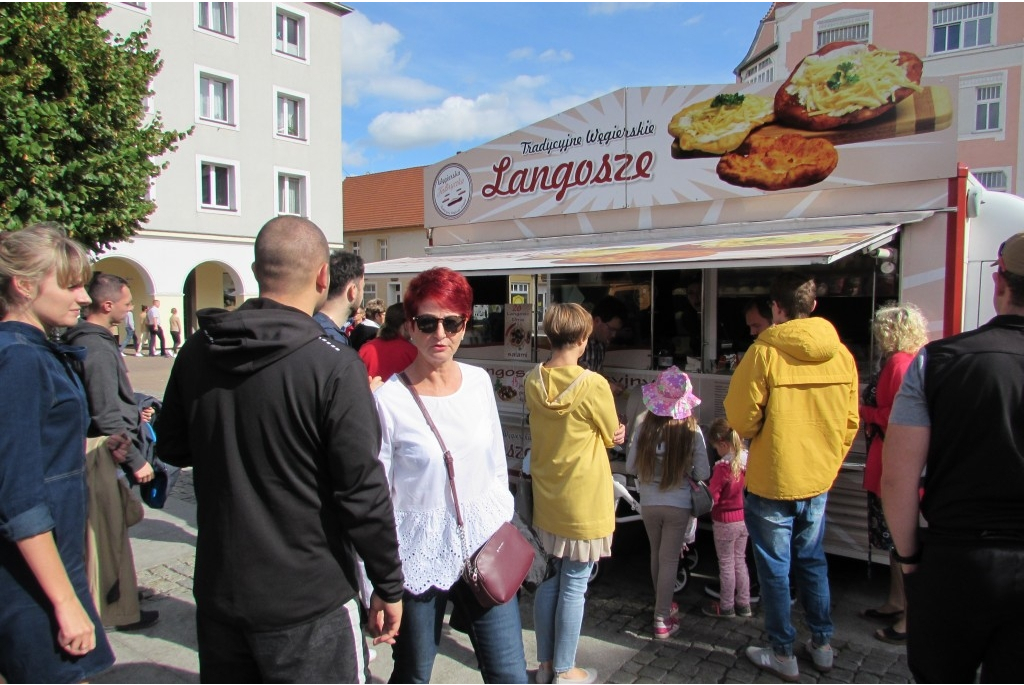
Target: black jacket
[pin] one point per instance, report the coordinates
(112, 405)
(280, 427)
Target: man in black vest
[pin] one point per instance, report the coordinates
(960, 413)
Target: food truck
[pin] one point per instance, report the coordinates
(685, 210)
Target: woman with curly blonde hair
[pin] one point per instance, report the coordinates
(899, 331)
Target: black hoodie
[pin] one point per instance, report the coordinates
(280, 427)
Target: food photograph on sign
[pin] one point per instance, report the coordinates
(845, 92)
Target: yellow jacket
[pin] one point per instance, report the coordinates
(571, 429)
(794, 395)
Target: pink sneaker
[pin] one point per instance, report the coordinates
(673, 610)
(665, 628)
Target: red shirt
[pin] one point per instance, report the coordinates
(889, 382)
(385, 358)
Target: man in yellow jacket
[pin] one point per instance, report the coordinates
(794, 396)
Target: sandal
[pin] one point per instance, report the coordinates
(881, 615)
(890, 635)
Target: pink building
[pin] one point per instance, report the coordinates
(981, 43)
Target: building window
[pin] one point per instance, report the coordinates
(762, 72)
(147, 104)
(986, 114)
(382, 249)
(961, 27)
(218, 185)
(291, 115)
(369, 291)
(291, 193)
(290, 33)
(850, 27)
(144, 6)
(996, 179)
(218, 95)
(354, 247)
(217, 17)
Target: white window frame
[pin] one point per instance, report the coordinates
(838, 26)
(987, 173)
(304, 118)
(985, 97)
(382, 249)
(232, 20)
(148, 104)
(303, 19)
(968, 105)
(279, 173)
(231, 80)
(135, 6)
(936, 7)
(369, 291)
(235, 182)
(762, 72)
(355, 247)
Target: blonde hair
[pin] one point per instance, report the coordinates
(567, 324)
(34, 252)
(721, 431)
(900, 328)
(678, 437)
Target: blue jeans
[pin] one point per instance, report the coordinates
(496, 634)
(789, 533)
(558, 613)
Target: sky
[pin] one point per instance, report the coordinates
(422, 81)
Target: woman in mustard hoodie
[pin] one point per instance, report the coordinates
(572, 424)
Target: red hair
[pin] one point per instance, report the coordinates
(448, 288)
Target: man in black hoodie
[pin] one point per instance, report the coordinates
(279, 424)
(113, 414)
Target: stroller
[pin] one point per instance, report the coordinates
(629, 511)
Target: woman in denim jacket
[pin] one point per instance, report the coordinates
(48, 623)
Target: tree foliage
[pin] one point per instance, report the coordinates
(76, 146)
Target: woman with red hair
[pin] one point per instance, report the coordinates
(460, 401)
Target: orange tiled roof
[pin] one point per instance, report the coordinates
(391, 199)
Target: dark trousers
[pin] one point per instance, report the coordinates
(176, 339)
(964, 608)
(327, 649)
(154, 333)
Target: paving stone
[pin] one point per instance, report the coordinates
(656, 674)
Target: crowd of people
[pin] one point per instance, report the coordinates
(359, 460)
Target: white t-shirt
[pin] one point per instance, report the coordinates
(428, 537)
(153, 317)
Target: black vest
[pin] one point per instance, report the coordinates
(974, 385)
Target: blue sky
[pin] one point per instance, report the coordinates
(422, 81)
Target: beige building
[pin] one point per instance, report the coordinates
(261, 85)
(384, 220)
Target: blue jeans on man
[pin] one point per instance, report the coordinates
(787, 535)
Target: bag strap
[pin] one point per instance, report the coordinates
(544, 388)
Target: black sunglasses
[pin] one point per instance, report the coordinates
(428, 324)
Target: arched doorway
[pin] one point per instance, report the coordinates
(210, 285)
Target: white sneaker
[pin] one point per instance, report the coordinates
(821, 656)
(784, 667)
(665, 628)
(139, 354)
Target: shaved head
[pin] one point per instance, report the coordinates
(289, 252)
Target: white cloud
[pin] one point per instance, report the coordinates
(696, 19)
(521, 54)
(616, 7)
(553, 55)
(371, 65)
(459, 119)
(352, 155)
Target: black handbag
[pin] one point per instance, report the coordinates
(496, 571)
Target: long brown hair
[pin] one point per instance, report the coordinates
(721, 431)
(678, 438)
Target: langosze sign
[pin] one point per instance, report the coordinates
(849, 115)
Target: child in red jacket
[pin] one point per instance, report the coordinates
(728, 478)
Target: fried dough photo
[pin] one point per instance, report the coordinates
(789, 161)
(721, 124)
(846, 83)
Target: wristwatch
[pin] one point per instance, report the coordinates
(912, 559)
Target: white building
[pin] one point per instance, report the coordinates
(261, 84)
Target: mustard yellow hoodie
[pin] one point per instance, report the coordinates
(570, 434)
(794, 395)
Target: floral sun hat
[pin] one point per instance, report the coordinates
(671, 394)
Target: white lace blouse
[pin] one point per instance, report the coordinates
(428, 537)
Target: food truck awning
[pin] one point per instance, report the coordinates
(764, 244)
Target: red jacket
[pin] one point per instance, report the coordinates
(889, 382)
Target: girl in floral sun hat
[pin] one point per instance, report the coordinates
(667, 446)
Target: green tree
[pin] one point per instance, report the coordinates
(75, 144)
